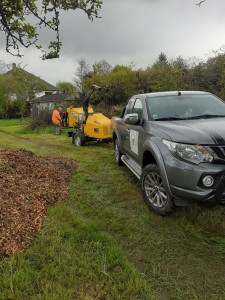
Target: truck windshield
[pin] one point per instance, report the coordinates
(185, 107)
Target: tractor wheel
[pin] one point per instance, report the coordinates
(79, 139)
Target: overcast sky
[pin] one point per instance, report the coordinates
(130, 30)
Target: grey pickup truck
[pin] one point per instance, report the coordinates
(174, 142)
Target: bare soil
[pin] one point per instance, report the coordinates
(28, 185)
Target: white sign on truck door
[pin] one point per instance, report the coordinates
(134, 141)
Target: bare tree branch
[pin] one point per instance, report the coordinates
(19, 32)
(200, 3)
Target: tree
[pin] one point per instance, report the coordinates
(214, 75)
(20, 86)
(197, 79)
(4, 67)
(161, 61)
(117, 85)
(102, 67)
(25, 87)
(15, 17)
(82, 71)
(181, 68)
(180, 63)
(121, 82)
(5, 90)
(66, 87)
(4, 103)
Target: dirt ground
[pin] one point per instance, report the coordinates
(28, 184)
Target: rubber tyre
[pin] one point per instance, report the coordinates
(118, 153)
(154, 194)
(78, 139)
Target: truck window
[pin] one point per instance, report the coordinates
(129, 107)
(185, 106)
(138, 109)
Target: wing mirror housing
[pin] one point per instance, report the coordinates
(132, 119)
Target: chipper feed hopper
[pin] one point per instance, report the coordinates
(87, 125)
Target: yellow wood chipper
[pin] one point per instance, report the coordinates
(87, 125)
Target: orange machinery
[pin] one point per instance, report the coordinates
(87, 125)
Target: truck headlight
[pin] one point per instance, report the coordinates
(195, 154)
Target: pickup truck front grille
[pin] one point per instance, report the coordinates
(218, 151)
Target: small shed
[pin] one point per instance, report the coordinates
(51, 101)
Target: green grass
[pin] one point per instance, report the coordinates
(104, 243)
(43, 130)
(12, 122)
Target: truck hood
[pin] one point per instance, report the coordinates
(200, 131)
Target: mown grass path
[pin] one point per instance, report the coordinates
(103, 243)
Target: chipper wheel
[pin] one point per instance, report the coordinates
(78, 139)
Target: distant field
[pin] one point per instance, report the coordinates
(104, 243)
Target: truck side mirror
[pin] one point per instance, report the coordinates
(132, 119)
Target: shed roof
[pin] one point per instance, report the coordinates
(55, 98)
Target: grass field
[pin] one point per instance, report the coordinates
(104, 243)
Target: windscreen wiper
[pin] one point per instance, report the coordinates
(169, 119)
(207, 116)
(190, 118)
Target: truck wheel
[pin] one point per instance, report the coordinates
(154, 193)
(118, 153)
(78, 139)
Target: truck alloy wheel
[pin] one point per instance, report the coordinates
(153, 191)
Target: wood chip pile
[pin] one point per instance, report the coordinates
(28, 184)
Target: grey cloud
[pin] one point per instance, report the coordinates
(133, 30)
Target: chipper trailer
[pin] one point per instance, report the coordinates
(87, 125)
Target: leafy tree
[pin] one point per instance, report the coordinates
(160, 79)
(20, 86)
(15, 17)
(102, 67)
(66, 87)
(124, 84)
(163, 75)
(121, 82)
(6, 94)
(214, 73)
(25, 86)
(169, 83)
(180, 64)
(117, 85)
(197, 78)
(161, 61)
(3, 102)
(222, 85)
(4, 89)
(181, 69)
(142, 81)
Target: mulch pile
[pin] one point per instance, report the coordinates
(28, 184)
